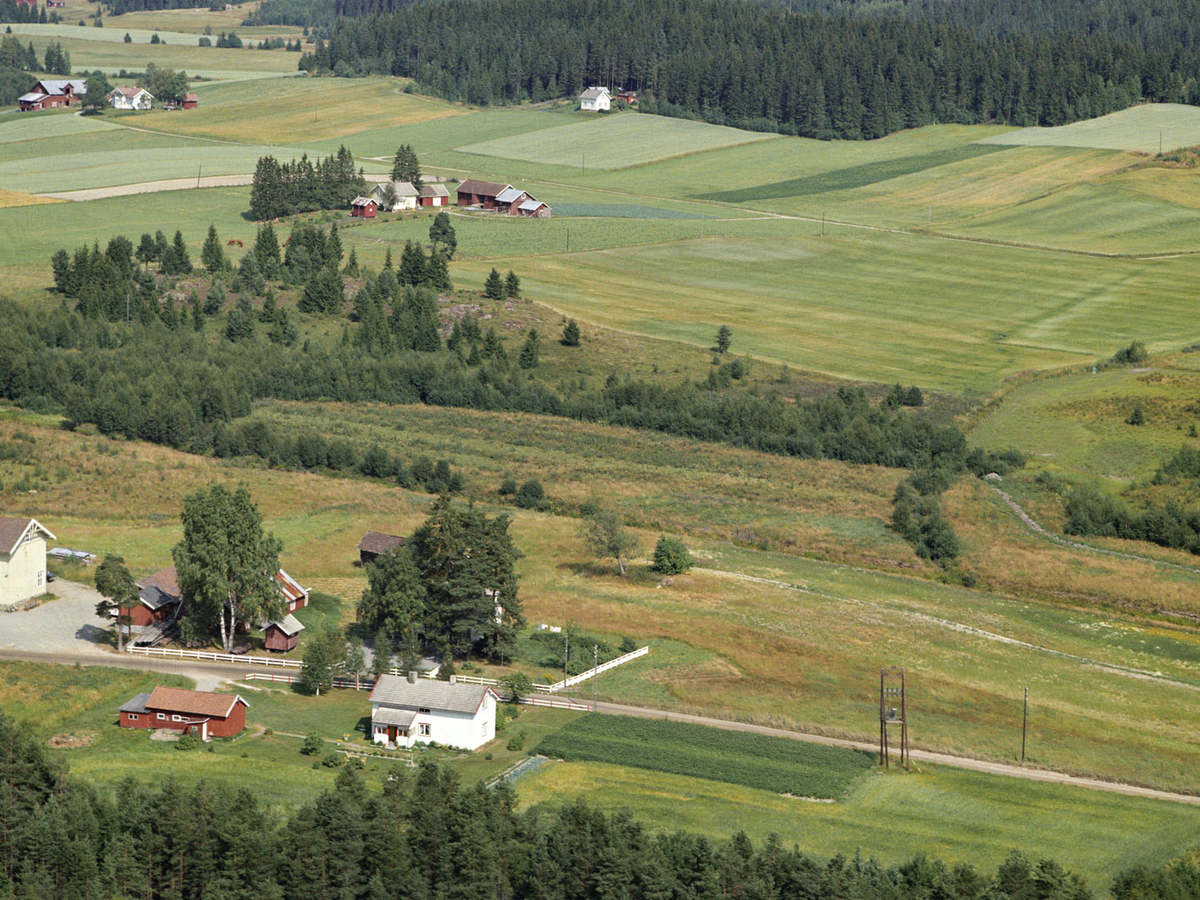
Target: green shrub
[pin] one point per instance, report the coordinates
(187, 741)
(671, 557)
(530, 495)
(517, 741)
(332, 760)
(313, 744)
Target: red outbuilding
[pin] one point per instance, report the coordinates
(283, 635)
(159, 595)
(204, 714)
(296, 596)
(480, 193)
(364, 208)
(434, 195)
(190, 101)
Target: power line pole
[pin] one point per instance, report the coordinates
(1024, 721)
(566, 652)
(595, 675)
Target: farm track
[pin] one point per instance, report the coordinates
(1036, 528)
(1116, 668)
(209, 674)
(151, 187)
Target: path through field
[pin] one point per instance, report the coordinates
(150, 187)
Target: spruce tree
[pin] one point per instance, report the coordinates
(512, 285)
(530, 352)
(570, 336)
(493, 288)
(212, 254)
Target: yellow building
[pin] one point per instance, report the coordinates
(22, 559)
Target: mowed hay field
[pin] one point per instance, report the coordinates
(946, 814)
(299, 109)
(616, 142)
(1138, 128)
(881, 307)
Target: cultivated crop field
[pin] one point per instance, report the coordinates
(1139, 128)
(752, 760)
(616, 142)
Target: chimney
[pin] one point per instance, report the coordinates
(412, 677)
(454, 679)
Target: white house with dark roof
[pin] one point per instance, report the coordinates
(595, 99)
(407, 710)
(406, 195)
(22, 558)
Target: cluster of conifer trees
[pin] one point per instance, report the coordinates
(25, 59)
(422, 835)
(284, 189)
(738, 63)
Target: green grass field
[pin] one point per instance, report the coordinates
(957, 816)
(615, 142)
(752, 760)
(1145, 129)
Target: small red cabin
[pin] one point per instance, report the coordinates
(283, 635)
(190, 101)
(159, 595)
(375, 544)
(296, 596)
(364, 208)
(203, 713)
(434, 195)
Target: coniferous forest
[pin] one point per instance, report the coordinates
(755, 67)
(425, 836)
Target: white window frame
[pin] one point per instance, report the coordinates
(178, 718)
(132, 716)
(423, 730)
(162, 716)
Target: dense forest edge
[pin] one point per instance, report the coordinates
(424, 836)
(739, 64)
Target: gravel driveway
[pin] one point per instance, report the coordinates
(66, 625)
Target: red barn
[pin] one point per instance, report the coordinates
(159, 595)
(296, 596)
(434, 195)
(480, 193)
(204, 714)
(51, 93)
(364, 208)
(190, 101)
(283, 635)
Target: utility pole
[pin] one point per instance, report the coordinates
(1024, 721)
(595, 675)
(198, 171)
(566, 652)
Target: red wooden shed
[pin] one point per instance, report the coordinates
(283, 635)
(364, 208)
(203, 713)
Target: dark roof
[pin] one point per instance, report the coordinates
(13, 528)
(396, 690)
(434, 190)
(593, 93)
(136, 705)
(378, 542)
(482, 188)
(160, 589)
(193, 703)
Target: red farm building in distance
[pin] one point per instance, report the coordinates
(364, 208)
(202, 713)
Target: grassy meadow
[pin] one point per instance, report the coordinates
(1145, 129)
(957, 816)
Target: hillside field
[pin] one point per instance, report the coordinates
(1145, 129)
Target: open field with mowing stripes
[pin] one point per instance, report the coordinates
(1146, 129)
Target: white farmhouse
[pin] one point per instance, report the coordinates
(595, 99)
(409, 710)
(406, 195)
(22, 559)
(130, 98)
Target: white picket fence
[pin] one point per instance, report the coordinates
(593, 672)
(364, 684)
(171, 653)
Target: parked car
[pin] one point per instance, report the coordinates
(50, 576)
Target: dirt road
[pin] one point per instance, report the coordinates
(150, 187)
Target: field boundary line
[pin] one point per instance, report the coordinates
(1116, 668)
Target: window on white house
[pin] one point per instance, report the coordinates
(39, 578)
(423, 729)
(483, 729)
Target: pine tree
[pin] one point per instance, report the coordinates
(405, 167)
(351, 270)
(493, 288)
(212, 255)
(512, 285)
(442, 235)
(183, 260)
(570, 336)
(530, 352)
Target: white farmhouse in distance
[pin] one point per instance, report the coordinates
(406, 195)
(595, 99)
(130, 98)
(22, 559)
(409, 710)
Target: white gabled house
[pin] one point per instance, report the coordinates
(130, 98)
(595, 99)
(407, 710)
(406, 195)
(22, 558)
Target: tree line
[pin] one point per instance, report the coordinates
(423, 835)
(742, 64)
(13, 56)
(284, 189)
